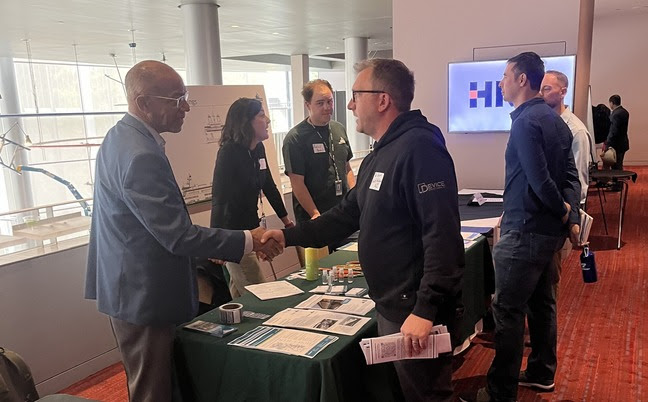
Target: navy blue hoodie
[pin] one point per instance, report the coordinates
(405, 205)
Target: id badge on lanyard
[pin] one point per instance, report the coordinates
(338, 187)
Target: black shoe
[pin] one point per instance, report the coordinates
(481, 395)
(545, 386)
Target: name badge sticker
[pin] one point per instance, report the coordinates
(376, 182)
(262, 164)
(319, 148)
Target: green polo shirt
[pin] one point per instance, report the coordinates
(307, 152)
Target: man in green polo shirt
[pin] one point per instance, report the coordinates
(316, 155)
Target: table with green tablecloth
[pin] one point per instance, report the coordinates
(207, 369)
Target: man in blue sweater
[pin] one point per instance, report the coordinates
(541, 197)
(405, 205)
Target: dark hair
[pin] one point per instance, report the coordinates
(238, 123)
(531, 65)
(615, 100)
(309, 88)
(393, 77)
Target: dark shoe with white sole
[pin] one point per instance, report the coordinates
(540, 385)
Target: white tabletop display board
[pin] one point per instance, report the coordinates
(192, 152)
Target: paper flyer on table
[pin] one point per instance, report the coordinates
(340, 304)
(390, 348)
(281, 340)
(353, 246)
(274, 290)
(326, 321)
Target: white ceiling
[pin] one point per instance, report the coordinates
(101, 27)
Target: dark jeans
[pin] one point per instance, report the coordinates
(420, 379)
(523, 277)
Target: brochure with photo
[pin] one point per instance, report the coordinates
(210, 328)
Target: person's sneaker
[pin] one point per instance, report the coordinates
(480, 396)
(524, 381)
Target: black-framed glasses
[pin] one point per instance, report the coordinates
(183, 97)
(365, 91)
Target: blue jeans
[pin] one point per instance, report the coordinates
(523, 277)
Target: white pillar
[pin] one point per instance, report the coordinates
(355, 50)
(583, 59)
(202, 42)
(18, 186)
(299, 74)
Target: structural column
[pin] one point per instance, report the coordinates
(583, 59)
(18, 186)
(300, 74)
(202, 42)
(355, 50)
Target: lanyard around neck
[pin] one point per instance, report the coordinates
(330, 148)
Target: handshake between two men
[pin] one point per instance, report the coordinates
(268, 243)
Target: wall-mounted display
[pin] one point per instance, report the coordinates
(475, 102)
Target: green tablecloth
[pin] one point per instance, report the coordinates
(208, 369)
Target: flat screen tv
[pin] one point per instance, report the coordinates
(475, 101)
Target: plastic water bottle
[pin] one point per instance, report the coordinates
(588, 265)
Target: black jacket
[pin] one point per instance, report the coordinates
(405, 205)
(239, 174)
(618, 136)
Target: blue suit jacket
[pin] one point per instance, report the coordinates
(142, 239)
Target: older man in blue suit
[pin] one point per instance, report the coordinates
(142, 238)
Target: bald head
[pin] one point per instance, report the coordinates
(152, 88)
(149, 77)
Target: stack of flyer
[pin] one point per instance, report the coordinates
(390, 348)
(585, 226)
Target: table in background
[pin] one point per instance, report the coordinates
(209, 370)
(615, 176)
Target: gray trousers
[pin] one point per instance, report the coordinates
(147, 356)
(247, 272)
(420, 379)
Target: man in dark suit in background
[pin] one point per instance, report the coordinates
(142, 239)
(618, 136)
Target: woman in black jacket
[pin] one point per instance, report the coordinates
(241, 178)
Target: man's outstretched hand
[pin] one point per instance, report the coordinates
(266, 249)
(274, 235)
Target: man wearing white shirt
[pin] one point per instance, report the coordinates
(553, 89)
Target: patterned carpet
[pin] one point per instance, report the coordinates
(601, 335)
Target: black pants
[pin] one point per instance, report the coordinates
(420, 379)
(523, 277)
(619, 161)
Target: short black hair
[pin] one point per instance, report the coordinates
(615, 100)
(531, 65)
